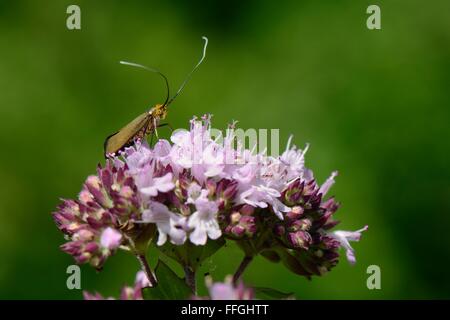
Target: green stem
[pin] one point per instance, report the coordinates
(146, 268)
(190, 279)
(240, 270)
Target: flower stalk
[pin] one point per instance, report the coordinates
(147, 270)
(242, 267)
(190, 279)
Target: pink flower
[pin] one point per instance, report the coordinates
(294, 160)
(344, 238)
(142, 280)
(150, 186)
(204, 221)
(228, 291)
(195, 150)
(138, 157)
(262, 196)
(194, 191)
(328, 183)
(168, 223)
(110, 238)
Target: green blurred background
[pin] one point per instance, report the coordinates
(373, 104)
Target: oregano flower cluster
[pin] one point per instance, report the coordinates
(196, 192)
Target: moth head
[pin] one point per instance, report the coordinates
(160, 111)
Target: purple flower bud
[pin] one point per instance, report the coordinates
(310, 188)
(94, 186)
(238, 231)
(211, 186)
(221, 204)
(83, 258)
(329, 242)
(279, 230)
(105, 177)
(300, 239)
(126, 192)
(221, 185)
(295, 213)
(85, 197)
(185, 210)
(91, 247)
(302, 224)
(84, 235)
(247, 210)
(69, 247)
(230, 191)
(294, 192)
(240, 225)
(248, 222)
(183, 183)
(331, 255)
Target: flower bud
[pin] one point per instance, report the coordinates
(211, 186)
(294, 192)
(295, 213)
(238, 231)
(235, 217)
(230, 191)
(247, 209)
(91, 247)
(95, 187)
(84, 235)
(302, 224)
(279, 230)
(299, 239)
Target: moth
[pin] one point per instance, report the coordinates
(148, 122)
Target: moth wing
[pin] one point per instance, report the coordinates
(118, 140)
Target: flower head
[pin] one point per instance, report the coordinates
(344, 238)
(92, 223)
(227, 290)
(198, 189)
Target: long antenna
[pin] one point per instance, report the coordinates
(151, 70)
(188, 77)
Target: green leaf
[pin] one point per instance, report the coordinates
(271, 294)
(191, 255)
(271, 255)
(292, 263)
(143, 237)
(198, 254)
(307, 262)
(169, 287)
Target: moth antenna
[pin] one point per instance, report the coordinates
(151, 70)
(188, 77)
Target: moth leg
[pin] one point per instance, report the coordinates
(166, 124)
(155, 125)
(151, 139)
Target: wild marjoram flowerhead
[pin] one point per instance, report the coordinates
(189, 192)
